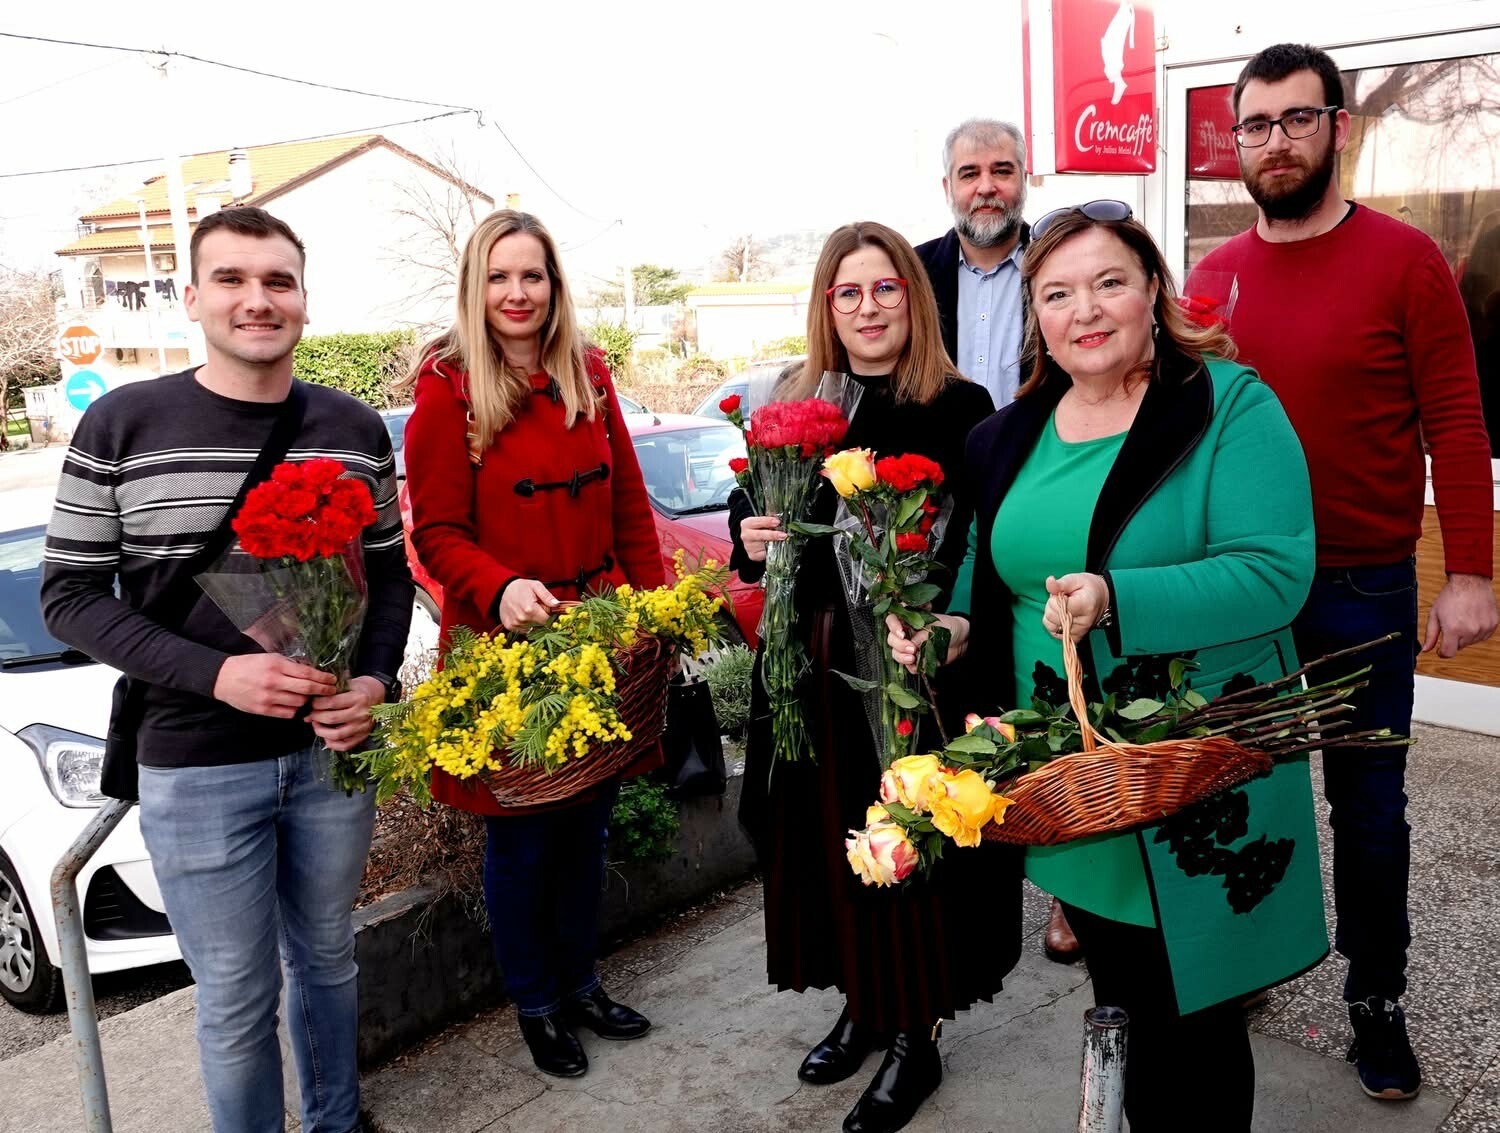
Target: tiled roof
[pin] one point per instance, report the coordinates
(271, 168)
(120, 240)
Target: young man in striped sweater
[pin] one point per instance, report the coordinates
(257, 860)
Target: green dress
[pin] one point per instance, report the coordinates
(1052, 501)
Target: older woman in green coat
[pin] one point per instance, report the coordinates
(1158, 487)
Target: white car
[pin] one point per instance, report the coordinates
(54, 706)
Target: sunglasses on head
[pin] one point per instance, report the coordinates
(1094, 210)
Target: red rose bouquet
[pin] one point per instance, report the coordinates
(885, 538)
(295, 581)
(786, 442)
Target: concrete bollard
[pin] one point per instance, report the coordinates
(1101, 1102)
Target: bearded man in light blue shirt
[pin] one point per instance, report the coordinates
(975, 268)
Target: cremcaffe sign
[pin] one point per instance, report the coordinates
(1097, 114)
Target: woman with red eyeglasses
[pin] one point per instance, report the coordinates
(904, 958)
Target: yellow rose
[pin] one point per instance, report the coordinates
(850, 471)
(962, 804)
(971, 721)
(876, 813)
(905, 781)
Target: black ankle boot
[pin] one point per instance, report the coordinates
(606, 1018)
(841, 1053)
(554, 1048)
(912, 1070)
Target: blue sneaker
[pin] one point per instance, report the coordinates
(1381, 1052)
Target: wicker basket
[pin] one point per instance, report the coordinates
(1109, 787)
(641, 676)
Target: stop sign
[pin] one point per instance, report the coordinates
(79, 345)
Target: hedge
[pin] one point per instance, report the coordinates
(363, 365)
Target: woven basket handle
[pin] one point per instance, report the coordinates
(1074, 669)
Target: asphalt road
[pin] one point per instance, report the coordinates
(113, 993)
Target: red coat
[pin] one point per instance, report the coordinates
(477, 528)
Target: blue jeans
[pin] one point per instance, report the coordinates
(542, 877)
(260, 862)
(1366, 787)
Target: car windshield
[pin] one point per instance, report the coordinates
(687, 470)
(395, 425)
(22, 633)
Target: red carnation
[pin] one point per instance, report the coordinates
(1201, 310)
(911, 542)
(909, 472)
(904, 728)
(738, 464)
(729, 404)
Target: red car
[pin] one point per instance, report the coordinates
(685, 463)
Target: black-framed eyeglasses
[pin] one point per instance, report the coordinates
(1301, 123)
(845, 298)
(1094, 210)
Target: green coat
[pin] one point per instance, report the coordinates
(1204, 531)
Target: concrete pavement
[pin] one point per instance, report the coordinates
(725, 1048)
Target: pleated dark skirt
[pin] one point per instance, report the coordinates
(906, 956)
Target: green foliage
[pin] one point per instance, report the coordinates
(728, 680)
(645, 823)
(655, 356)
(782, 347)
(616, 340)
(363, 365)
(655, 286)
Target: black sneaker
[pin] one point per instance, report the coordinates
(1381, 1052)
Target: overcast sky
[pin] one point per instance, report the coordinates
(691, 121)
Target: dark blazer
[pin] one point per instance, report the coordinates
(940, 258)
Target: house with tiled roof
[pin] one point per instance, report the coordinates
(353, 201)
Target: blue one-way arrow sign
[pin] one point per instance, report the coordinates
(83, 388)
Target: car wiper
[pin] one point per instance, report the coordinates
(63, 656)
(700, 509)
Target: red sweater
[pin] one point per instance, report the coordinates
(1361, 333)
(474, 532)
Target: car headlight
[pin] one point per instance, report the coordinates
(70, 762)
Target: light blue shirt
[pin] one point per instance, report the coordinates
(989, 325)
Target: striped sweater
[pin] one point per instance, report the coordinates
(152, 469)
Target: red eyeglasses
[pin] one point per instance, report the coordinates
(846, 298)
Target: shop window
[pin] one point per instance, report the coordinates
(1424, 148)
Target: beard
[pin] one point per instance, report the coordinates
(987, 231)
(1292, 197)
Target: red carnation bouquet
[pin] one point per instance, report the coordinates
(295, 581)
(786, 442)
(886, 537)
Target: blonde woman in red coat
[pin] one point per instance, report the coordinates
(525, 491)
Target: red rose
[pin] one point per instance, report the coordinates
(739, 464)
(911, 543)
(729, 404)
(904, 728)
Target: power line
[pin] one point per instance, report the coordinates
(447, 106)
(597, 235)
(233, 67)
(60, 82)
(546, 185)
(256, 145)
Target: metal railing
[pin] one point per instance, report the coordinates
(73, 959)
(1101, 1097)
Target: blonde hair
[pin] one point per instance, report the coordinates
(1180, 342)
(924, 366)
(497, 391)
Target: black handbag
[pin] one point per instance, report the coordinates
(119, 777)
(694, 763)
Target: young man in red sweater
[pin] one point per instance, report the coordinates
(1354, 320)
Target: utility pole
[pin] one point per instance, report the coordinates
(177, 203)
(155, 313)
